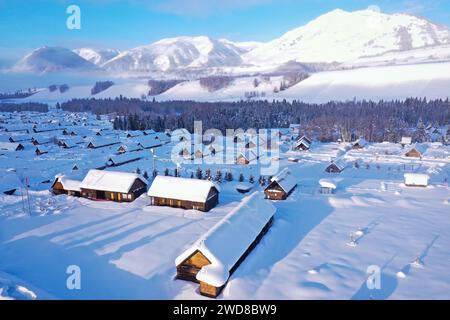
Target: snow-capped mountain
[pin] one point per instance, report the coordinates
(97, 56)
(175, 53)
(340, 36)
(53, 59)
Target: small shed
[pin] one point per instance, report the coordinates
(416, 180)
(40, 150)
(359, 144)
(281, 186)
(64, 185)
(327, 186)
(176, 192)
(405, 141)
(335, 167)
(113, 186)
(213, 258)
(102, 143)
(302, 144)
(413, 153)
(11, 146)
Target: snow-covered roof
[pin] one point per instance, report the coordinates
(416, 178)
(225, 243)
(360, 142)
(69, 184)
(110, 181)
(130, 147)
(406, 140)
(285, 180)
(99, 142)
(147, 142)
(125, 157)
(324, 183)
(9, 146)
(181, 188)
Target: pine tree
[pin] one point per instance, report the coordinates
(166, 172)
(208, 174)
(251, 179)
(241, 177)
(199, 173)
(218, 177)
(145, 175)
(154, 173)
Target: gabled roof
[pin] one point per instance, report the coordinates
(148, 142)
(225, 243)
(68, 184)
(110, 181)
(100, 142)
(195, 190)
(10, 146)
(285, 180)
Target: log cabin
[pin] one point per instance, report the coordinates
(413, 153)
(245, 158)
(113, 186)
(213, 258)
(281, 186)
(302, 144)
(10, 146)
(189, 194)
(102, 143)
(63, 185)
(335, 167)
(40, 150)
(359, 144)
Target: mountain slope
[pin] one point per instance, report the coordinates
(52, 59)
(342, 36)
(175, 53)
(97, 56)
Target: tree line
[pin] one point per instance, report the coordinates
(374, 121)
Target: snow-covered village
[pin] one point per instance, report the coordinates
(242, 171)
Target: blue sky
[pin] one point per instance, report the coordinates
(25, 25)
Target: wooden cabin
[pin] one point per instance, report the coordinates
(125, 158)
(335, 167)
(40, 151)
(63, 185)
(189, 194)
(413, 153)
(10, 146)
(302, 144)
(102, 143)
(149, 142)
(246, 158)
(213, 258)
(112, 186)
(359, 144)
(281, 186)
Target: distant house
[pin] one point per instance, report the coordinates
(148, 132)
(413, 153)
(102, 143)
(131, 147)
(10, 146)
(133, 134)
(202, 195)
(250, 145)
(121, 159)
(70, 143)
(359, 144)
(405, 141)
(149, 142)
(280, 186)
(335, 167)
(416, 180)
(37, 141)
(327, 186)
(302, 144)
(213, 258)
(46, 128)
(245, 158)
(9, 183)
(64, 185)
(21, 138)
(112, 186)
(40, 150)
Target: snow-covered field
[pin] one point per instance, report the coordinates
(376, 83)
(128, 250)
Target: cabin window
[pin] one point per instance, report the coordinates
(112, 196)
